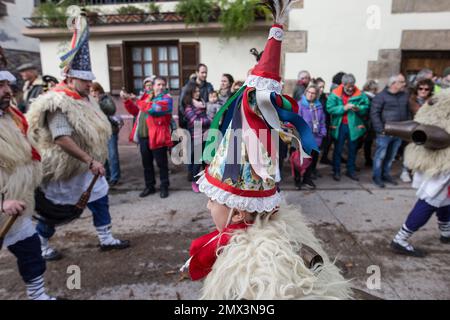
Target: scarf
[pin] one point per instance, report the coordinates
(198, 104)
(204, 250)
(62, 87)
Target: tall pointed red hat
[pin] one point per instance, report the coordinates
(270, 62)
(266, 74)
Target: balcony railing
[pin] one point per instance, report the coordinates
(108, 19)
(117, 19)
(102, 2)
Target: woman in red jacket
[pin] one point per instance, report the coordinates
(153, 112)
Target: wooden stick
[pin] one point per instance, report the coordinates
(6, 227)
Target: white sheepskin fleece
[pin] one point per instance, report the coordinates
(419, 158)
(92, 131)
(19, 174)
(263, 263)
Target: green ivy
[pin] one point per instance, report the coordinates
(236, 16)
(153, 8)
(53, 14)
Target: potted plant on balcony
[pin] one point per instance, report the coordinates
(196, 12)
(93, 16)
(130, 14)
(49, 14)
(154, 11)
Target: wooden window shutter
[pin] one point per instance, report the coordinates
(190, 58)
(3, 9)
(116, 69)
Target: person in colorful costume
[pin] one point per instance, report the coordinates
(429, 158)
(259, 249)
(20, 174)
(72, 134)
(152, 131)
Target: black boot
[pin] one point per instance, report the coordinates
(298, 180)
(164, 192)
(147, 192)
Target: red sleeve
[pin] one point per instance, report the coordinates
(131, 108)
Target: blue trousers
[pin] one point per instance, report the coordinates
(113, 163)
(29, 258)
(100, 214)
(422, 213)
(387, 148)
(344, 135)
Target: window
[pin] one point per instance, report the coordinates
(147, 59)
(130, 63)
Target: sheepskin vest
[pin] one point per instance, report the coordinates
(263, 263)
(92, 131)
(19, 173)
(419, 158)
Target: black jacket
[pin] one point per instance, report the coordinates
(389, 107)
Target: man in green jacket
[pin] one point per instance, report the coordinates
(347, 106)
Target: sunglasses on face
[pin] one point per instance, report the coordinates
(424, 89)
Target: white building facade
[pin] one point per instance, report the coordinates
(372, 39)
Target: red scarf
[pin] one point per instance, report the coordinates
(62, 87)
(203, 250)
(21, 123)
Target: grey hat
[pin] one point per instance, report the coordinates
(26, 66)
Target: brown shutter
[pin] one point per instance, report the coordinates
(3, 11)
(190, 58)
(116, 69)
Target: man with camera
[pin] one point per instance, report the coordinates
(347, 106)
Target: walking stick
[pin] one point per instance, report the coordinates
(7, 226)
(84, 199)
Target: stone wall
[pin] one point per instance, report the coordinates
(426, 39)
(388, 63)
(409, 6)
(294, 41)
